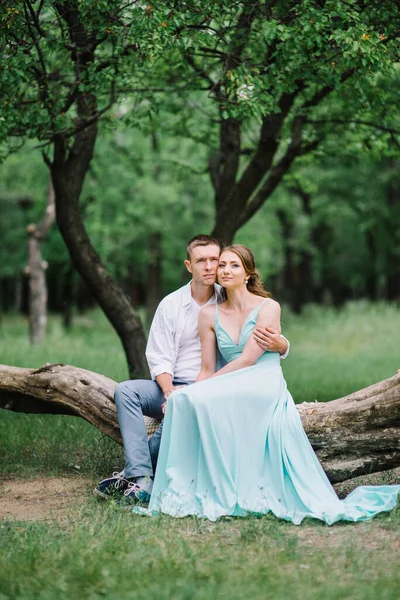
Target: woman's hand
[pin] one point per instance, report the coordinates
(270, 340)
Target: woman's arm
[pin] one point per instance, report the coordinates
(208, 343)
(269, 315)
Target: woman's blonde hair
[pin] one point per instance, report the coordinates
(254, 285)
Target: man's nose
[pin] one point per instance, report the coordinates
(209, 264)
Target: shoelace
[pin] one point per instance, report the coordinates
(132, 487)
(120, 478)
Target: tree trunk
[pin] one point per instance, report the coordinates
(36, 270)
(37, 289)
(294, 283)
(227, 218)
(371, 283)
(354, 435)
(154, 273)
(110, 297)
(73, 152)
(68, 288)
(68, 172)
(393, 234)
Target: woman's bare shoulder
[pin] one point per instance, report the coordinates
(208, 312)
(271, 306)
(206, 318)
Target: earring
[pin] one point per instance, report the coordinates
(247, 281)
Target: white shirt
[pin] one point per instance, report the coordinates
(188, 360)
(166, 330)
(165, 338)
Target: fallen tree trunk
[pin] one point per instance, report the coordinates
(355, 435)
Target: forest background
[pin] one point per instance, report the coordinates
(271, 123)
(274, 124)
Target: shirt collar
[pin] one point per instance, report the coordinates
(187, 293)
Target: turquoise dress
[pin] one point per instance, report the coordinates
(234, 445)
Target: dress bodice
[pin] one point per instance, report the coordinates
(227, 347)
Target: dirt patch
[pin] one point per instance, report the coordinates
(366, 535)
(41, 499)
(56, 498)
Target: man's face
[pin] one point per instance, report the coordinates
(203, 264)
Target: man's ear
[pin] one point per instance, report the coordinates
(188, 265)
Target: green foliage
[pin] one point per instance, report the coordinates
(136, 193)
(164, 78)
(23, 190)
(180, 48)
(133, 190)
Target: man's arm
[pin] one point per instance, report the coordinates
(164, 380)
(270, 339)
(160, 350)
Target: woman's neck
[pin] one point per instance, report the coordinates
(239, 299)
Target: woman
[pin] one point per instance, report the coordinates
(233, 444)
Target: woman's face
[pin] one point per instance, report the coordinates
(231, 272)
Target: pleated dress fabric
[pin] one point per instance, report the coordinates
(235, 445)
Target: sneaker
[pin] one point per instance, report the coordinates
(134, 495)
(113, 487)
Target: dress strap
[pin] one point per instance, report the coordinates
(216, 319)
(257, 308)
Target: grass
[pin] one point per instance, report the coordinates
(105, 553)
(101, 552)
(336, 353)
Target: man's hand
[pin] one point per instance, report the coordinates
(164, 380)
(170, 390)
(270, 339)
(167, 394)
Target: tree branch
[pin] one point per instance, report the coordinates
(189, 58)
(35, 17)
(266, 148)
(225, 165)
(296, 148)
(391, 130)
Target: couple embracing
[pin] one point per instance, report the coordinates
(231, 442)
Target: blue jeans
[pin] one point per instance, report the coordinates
(134, 399)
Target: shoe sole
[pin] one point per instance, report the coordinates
(127, 506)
(97, 492)
(100, 494)
(133, 505)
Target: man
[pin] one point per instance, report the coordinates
(174, 356)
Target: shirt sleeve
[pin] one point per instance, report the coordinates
(286, 354)
(160, 350)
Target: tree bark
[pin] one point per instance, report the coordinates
(36, 270)
(355, 435)
(68, 288)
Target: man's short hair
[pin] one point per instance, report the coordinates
(201, 240)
